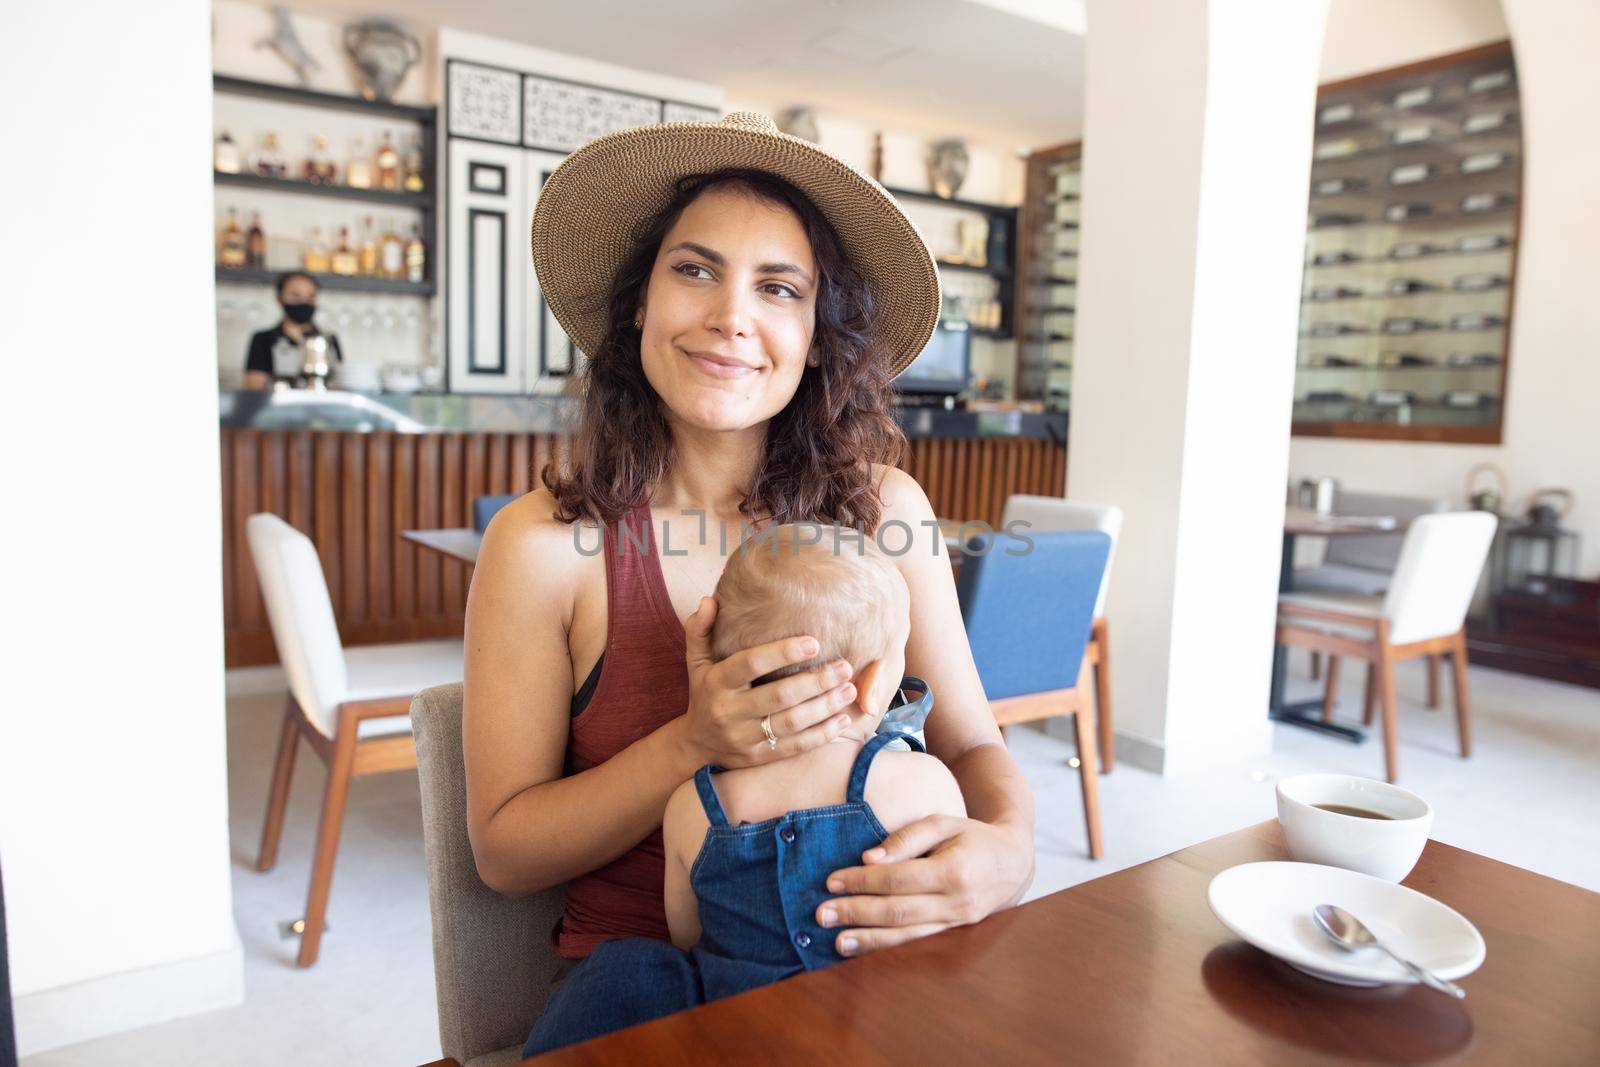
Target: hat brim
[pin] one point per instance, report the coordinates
(589, 210)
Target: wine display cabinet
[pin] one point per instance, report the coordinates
(1415, 200)
(1047, 301)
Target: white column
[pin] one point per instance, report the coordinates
(113, 772)
(1197, 153)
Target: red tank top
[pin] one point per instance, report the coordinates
(643, 684)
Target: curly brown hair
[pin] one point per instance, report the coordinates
(816, 465)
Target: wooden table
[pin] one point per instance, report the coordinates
(1133, 968)
(1304, 521)
(457, 543)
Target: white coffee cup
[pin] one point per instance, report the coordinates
(1384, 847)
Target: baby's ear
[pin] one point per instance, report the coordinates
(869, 701)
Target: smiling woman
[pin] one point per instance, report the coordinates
(745, 299)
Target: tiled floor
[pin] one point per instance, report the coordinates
(1528, 797)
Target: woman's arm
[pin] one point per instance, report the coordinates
(530, 827)
(976, 865)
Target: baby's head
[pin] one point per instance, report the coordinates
(831, 583)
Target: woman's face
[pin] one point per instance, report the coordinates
(730, 311)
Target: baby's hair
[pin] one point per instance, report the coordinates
(787, 580)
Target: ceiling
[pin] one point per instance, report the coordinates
(1006, 73)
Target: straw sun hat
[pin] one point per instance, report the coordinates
(591, 206)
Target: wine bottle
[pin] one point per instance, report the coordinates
(255, 244)
(316, 257)
(270, 162)
(344, 257)
(225, 155)
(369, 249)
(319, 167)
(231, 249)
(416, 256)
(358, 173)
(387, 164)
(413, 163)
(391, 252)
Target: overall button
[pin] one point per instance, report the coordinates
(786, 835)
(803, 940)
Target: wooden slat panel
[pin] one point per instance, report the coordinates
(325, 511)
(246, 492)
(405, 518)
(452, 513)
(522, 477)
(300, 480)
(231, 558)
(353, 526)
(429, 590)
(381, 532)
(499, 476)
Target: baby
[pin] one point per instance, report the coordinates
(749, 851)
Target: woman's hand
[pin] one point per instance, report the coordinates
(723, 723)
(968, 870)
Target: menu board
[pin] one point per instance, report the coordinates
(560, 116)
(483, 102)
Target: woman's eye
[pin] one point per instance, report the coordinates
(784, 289)
(684, 268)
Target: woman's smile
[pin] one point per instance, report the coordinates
(719, 366)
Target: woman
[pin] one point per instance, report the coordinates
(743, 330)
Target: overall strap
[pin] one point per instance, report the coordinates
(708, 795)
(856, 792)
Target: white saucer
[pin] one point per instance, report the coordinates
(1269, 905)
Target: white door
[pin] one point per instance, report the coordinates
(489, 295)
(552, 357)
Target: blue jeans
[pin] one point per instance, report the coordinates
(622, 983)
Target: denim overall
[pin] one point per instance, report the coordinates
(759, 886)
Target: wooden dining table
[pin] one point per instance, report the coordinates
(1133, 968)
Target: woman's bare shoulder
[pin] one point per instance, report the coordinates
(527, 547)
(902, 496)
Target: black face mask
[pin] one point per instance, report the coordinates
(299, 313)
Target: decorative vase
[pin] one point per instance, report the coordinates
(383, 53)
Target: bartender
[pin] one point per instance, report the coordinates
(275, 354)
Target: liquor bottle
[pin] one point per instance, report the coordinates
(391, 252)
(270, 162)
(369, 249)
(316, 258)
(416, 256)
(231, 250)
(344, 257)
(319, 166)
(387, 164)
(255, 244)
(414, 182)
(225, 155)
(358, 175)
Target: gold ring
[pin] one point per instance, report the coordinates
(766, 728)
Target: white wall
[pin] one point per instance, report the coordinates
(113, 802)
(1197, 150)
(1369, 35)
(1552, 408)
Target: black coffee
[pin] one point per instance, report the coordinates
(1360, 813)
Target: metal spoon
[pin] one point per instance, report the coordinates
(1349, 933)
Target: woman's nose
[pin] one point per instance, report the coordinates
(730, 313)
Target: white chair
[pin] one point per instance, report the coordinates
(352, 706)
(1048, 514)
(1422, 614)
(1365, 565)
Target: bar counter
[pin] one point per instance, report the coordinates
(353, 470)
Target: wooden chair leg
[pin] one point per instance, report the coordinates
(1391, 726)
(1102, 696)
(1433, 681)
(1088, 770)
(1316, 665)
(278, 791)
(1330, 694)
(340, 771)
(1371, 696)
(1458, 667)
